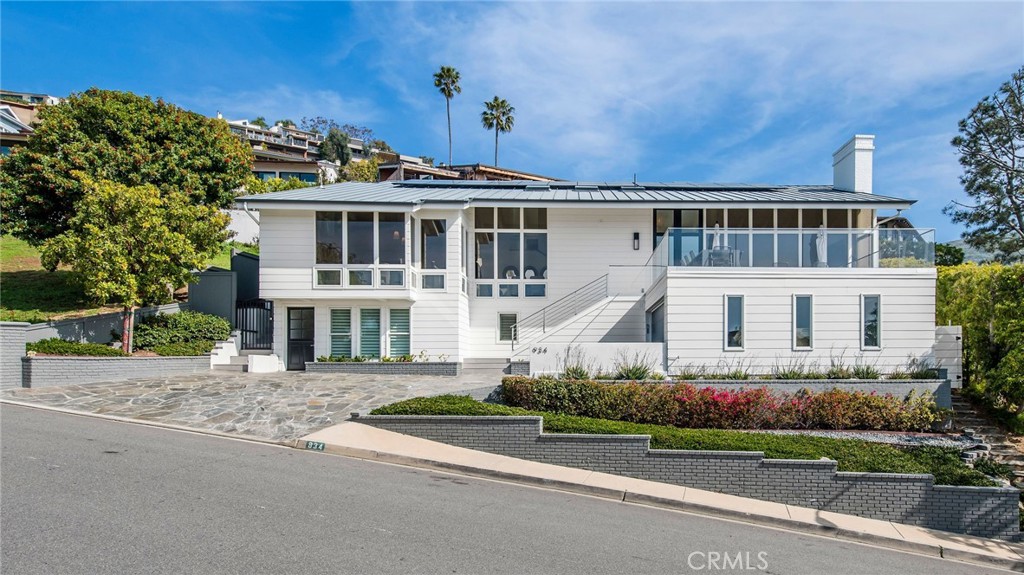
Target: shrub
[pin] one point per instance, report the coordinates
(691, 371)
(190, 348)
(574, 364)
(183, 327)
(686, 405)
(341, 359)
(861, 371)
(57, 346)
(405, 358)
(636, 367)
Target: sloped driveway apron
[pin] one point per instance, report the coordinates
(274, 406)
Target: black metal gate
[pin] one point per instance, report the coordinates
(255, 321)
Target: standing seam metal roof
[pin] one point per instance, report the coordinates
(426, 191)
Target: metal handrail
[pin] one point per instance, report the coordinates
(561, 310)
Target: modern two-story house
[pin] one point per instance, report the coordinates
(705, 274)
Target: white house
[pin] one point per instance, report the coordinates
(700, 274)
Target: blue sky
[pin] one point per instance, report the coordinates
(713, 92)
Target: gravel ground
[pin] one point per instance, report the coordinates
(957, 441)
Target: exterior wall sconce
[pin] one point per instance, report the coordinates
(636, 240)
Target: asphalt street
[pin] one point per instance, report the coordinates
(85, 495)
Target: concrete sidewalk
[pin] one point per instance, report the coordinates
(365, 442)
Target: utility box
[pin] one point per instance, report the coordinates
(949, 353)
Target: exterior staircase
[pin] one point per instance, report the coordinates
(484, 366)
(976, 425)
(240, 362)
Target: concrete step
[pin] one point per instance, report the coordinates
(239, 360)
(256, 352)
(232, 367)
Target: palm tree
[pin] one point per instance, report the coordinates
(447, 82)
(499, 116)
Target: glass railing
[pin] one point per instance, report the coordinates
(795, 248)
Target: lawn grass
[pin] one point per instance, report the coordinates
(30, 293)
(851, 454)
(223, 259)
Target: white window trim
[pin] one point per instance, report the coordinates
(521, 231)
(862, 321)
(794, 327)
(725, 322)
(497, 332)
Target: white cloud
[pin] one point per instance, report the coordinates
(608, 88)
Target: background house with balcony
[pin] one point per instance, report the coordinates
(694, 274)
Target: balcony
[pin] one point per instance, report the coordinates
(795, 248)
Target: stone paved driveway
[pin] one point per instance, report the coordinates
(277, 406)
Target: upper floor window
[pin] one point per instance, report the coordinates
(433, 244)
(511, 243)
(360, 238)
(329, 236)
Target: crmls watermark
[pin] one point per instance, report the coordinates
(725, 561)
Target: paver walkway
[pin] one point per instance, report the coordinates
(276, 406)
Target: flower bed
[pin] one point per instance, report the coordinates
(690, 406)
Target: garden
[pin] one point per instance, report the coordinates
(187, 333)
(851, 455)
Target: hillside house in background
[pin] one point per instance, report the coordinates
(700, 274)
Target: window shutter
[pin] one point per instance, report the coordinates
(341, 332)
(369, 332)
(398, 325)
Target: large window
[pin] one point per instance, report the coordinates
(390, 238)
(341, 332)
(512, 245)
(360, 238)
(871, 321)
(803, 322)
(433, 245)
(329, 237)
(734, 322)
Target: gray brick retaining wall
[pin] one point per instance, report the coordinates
(903, 498)
(12, 348)
(447, 368)
(50, 370)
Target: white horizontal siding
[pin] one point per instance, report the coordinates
(287, 254)
(696, 308)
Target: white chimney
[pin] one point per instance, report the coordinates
(851, 165)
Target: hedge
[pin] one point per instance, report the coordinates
(686, 405)
(988, 302)
(176, 328)
(850, 454)
(57, 346)
(191, 348)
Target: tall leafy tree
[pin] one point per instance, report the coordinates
(286, 123)
(133, 244)
(120, 137)
(358, 132)
(259, 121)
(498, 115)
(446, 81)
(318, 124)
(991, 147)
(335, 148)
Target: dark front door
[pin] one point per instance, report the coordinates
(300, 337)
